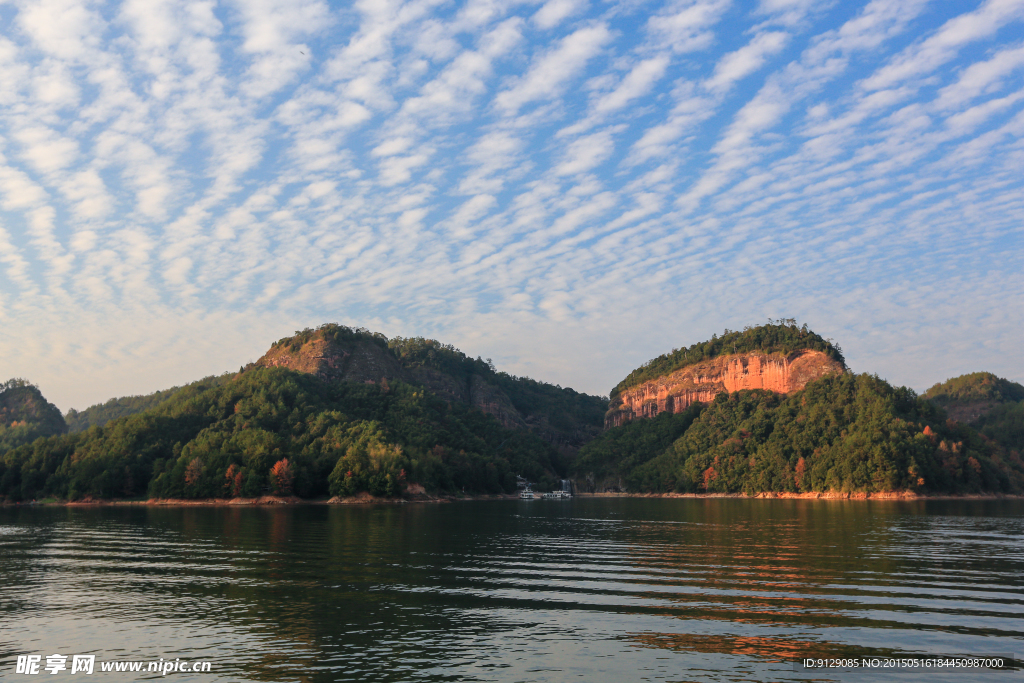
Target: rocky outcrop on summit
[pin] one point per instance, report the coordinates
(702, 381)
(356, 361)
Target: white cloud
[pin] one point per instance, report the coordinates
(585, 153)
(555, 11)
(943, 45)
(636, 83)
(981, 77)
(748, 59)
(683, 26)
(548, 74)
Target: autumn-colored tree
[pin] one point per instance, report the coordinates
(282, 477)
(709, 476)
(801, 467)
(235, 479)
(193, 472)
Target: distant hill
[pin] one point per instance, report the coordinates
(967, 397)
(991, 404)
(25, 415)
(102, 413)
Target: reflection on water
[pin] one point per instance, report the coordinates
(589, 589)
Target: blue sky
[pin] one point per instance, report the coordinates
(569, 187)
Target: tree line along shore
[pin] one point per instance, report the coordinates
(343, 414)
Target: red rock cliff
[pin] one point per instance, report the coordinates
(703, 381)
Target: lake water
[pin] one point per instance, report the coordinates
(589, 589)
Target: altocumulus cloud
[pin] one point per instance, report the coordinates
(570, 187)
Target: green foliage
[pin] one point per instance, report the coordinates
(992, 405)
(25, 415)
(102, 413)
(977, 386)
(225, 439)
(1004, 424)
(781, 336)
(849, 433)
(418, 351)
(617, 452)
(562, 409)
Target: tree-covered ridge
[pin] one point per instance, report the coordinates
(847, 433)
(25, 415)
(992, 405)
(1004, 424)
(560, 413)
(423, 352)
(102, 413)
(778, 336)
(276, 430)
(976, 386)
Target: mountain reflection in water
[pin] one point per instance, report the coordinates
(589, 589)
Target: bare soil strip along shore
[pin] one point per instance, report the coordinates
(367, 499)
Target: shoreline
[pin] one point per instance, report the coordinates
(817, 495)
(367, 499)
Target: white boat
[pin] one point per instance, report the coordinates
(526, 494)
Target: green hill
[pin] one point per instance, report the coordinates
(992, 405)
(847, 433)
(25, 415)
(337, 353)
(102, 413)
(277, 430)
(977, 386)
(781, 336)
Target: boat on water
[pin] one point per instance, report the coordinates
(526, 494)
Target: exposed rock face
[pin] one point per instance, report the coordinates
(333, 362)
(703, 381)
(969, 412)
(364, 361)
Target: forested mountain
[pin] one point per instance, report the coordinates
(281, 431)
(336, 353)
(848, 433)
(25, 415)
(102, 413)
(690, 421)
(330, 411)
